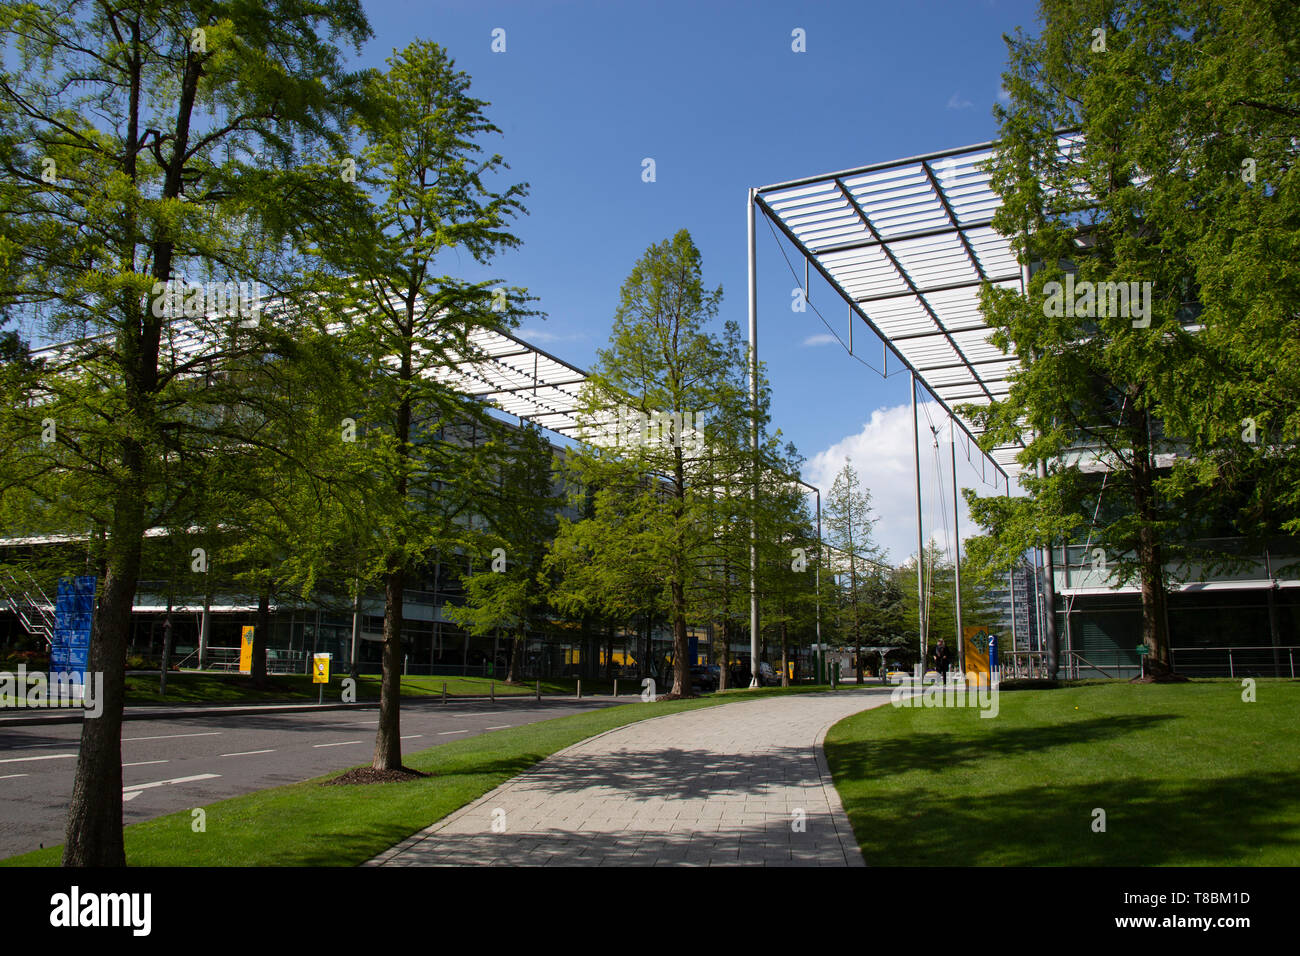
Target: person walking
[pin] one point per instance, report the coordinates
(941, 660)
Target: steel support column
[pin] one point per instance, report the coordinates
(1049, 601)
(818, 569)
(753, 439)
(956, 548)
(356, 630)
(920, 543)
(1011, 580)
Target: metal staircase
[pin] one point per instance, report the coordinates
(23, 595)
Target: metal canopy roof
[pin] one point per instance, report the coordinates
(908, 244)
(521, 380)
(502, 370)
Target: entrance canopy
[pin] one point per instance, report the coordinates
(907, 245)
(521, 380)
(500, 369)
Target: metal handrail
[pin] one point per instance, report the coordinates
(1033, 663)
(1075, 658)
(1023, 663)
(44, 627)
(1232, 670)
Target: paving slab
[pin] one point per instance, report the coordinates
(739, 784)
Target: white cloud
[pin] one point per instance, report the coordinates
(956, 102)
(882, 454)
(821, 338)
(1004, 95)
(540, 335)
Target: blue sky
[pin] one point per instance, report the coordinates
(714, 93)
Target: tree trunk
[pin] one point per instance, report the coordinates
(681, 666)
(644, 656)
(166, 650)
(1155, 620)
(388, 743)
(724, 659)
(261, 635)
(785, 658)
(93, 836)
(516, 658)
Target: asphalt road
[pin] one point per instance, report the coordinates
(181, 763)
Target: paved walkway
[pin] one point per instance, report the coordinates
(742, 783)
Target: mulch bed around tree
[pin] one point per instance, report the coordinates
(1029, 683)
(371, 775)
(1165, 678)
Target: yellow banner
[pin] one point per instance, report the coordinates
(320, 668)
(977, 653)
(246, 651)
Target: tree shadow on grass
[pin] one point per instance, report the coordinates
(1224, 821)
(311, 825)
(940, 751)
(1150, 820)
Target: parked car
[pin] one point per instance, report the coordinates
(702, 680)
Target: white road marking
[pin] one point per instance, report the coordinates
(10, 776)
(38, 746)
(42, 757)
(248, 753)
(163, 783)
(341, 743)
(412, 736)
(500, 727)
(144, 763)
(210, 733)
(446, 732)
(133, 791)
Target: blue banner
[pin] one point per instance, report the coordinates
(74, 609)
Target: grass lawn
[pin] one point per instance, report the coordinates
(306, 824)
(1187, 774)
(193, 687)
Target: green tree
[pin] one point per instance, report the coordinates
(847, 531)
(654, 401)
(940, 600)
(595, 574)
(1088, 387)
(788, 557)
(510, 593)
(769, 514)
(884, 594)
(279, 494)
(117, 132)
(410, 329)
(1219, 80)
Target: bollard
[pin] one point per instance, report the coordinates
(444, 692)
(615, 686)
(492, 691)
(579, 688)
(539, 691)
